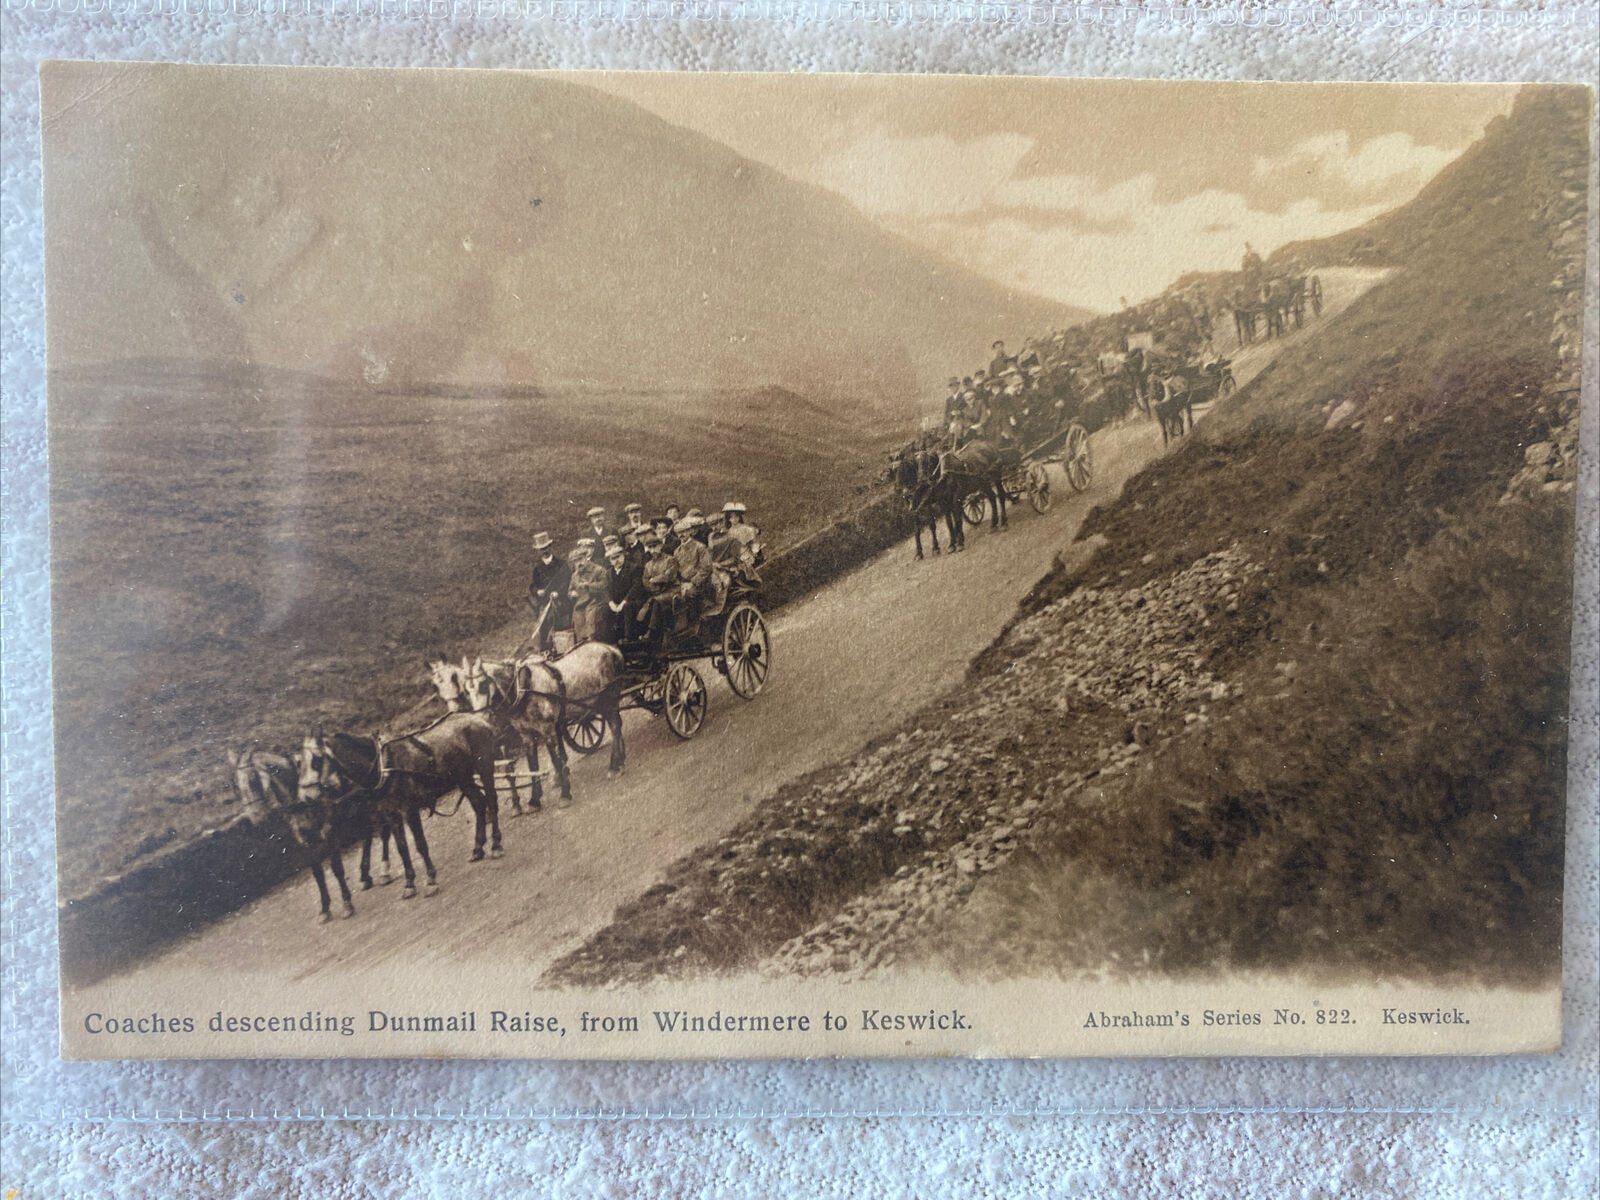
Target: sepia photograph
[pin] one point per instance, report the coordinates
(666, 565)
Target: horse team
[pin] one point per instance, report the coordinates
(341, 788)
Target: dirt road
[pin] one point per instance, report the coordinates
(850, 662)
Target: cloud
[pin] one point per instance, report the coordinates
(1388, 168)
(1089, 242)
(929, 176)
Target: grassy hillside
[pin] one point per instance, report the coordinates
(233, 566)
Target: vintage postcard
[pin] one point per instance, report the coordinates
(658, 565)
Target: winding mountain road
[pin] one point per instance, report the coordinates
(851, 661)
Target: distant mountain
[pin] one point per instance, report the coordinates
(474, 228)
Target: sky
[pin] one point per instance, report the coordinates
(1086, 191)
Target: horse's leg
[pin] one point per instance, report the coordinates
(414, 820)
(384, 833)
(612, 710)
(480, 819)
(932, 516)
(535, 784)
(322, 889)
(492, 802)
(366, 854)
(916, 533)
(405, 854)
(558, 761)
(336, 862)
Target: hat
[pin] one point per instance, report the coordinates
(685, 524)
(694, 514)
(610, 541)
(615, 551)
(733, 506)
(541, 541)
(633, 508)
(596, 511)
(651, 540)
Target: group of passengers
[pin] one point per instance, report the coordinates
(644, 579)
(1013, 399)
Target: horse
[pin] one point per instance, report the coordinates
(449, 682)
(980, 466)
(927, 495)
(266, 782)
(402, 776)
(531, 695)
(461, 687)
(1177, 400)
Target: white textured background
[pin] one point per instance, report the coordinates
(1230, 1128)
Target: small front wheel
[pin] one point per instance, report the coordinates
(975, 507)
(584, 732)
(1038, 488)
(684, 701)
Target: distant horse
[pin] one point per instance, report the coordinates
(1177, 400)
(979, 467)
(266, 783)
(532, 695)
(927, 495)
(402, 776)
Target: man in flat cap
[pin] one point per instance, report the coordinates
(694, 565)
(599, 530)
(590, 583)
(662, 583)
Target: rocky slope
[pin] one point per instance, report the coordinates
(1304, 709)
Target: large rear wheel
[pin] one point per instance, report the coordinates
(1075, 458)
(975, 507)
(746, 651)
(683, 700)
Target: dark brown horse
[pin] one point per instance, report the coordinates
(402, 776)
(266, 782)
(928, 494)
(979, 467)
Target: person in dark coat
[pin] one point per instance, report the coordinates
(548, 592)
(625, 597)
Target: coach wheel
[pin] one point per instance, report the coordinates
(975, 507)
(1075, 458)
(684, 700)
(584, 732)
(746, 651)
(1038, 488)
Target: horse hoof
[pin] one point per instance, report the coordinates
(349, 910)
(477, 855)
(409, 894)
(431, 890)
(323, 919)
(497, 852)
(366, 885)
(386, 880)
(520, 813)
(613, 772)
